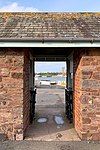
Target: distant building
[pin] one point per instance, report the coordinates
(63, 71)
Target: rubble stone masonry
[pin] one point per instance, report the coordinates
(87, 93)
(12, 93)
(15, 94)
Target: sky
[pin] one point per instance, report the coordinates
(49, 66)
(49, 6)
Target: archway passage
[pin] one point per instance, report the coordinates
(16, 72)
(52, 121)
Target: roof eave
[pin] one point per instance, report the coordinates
(43, 40)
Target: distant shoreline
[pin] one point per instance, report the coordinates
(49, 81)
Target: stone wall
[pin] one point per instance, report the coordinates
(14, 92)
(87, 93)
(11, 92)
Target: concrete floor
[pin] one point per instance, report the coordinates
(37, 145)
(50, 97)
(51, 102)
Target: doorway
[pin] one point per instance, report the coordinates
(50, 122)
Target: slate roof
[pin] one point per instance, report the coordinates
(54, 26)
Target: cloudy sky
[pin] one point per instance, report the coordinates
(49, 5)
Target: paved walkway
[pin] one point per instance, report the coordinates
(50, 96)
(50, 104)
(36, 145)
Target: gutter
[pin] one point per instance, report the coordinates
(50, 42)
(69, 40)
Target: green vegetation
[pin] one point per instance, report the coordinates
(48, 74)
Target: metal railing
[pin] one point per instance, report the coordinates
(32, 104)
(69, 104)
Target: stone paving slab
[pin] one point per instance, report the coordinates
(50, 97)
(51, 131)
(36, 145)
(50, 103)
(2, 137)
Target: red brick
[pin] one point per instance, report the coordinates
(98, 68)
(96, 75)
(14, 79)
(87, 92)
(96, 136)
(0, 79)
(8, 87)
(86, 120)
(4, 72)
(95, 128)
(17, 75)
(86, 74)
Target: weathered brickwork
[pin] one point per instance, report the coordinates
(26, 96)
(14, 92)
(11, 92)
(87, 93)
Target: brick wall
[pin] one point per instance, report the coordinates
(87, 93)
(77, 91)
(11, 92)
(14, 92)
(15, 95)
(26, 102)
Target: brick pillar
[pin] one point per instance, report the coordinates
(26, 90)
(14, 92)
(11, 93)
(87, 93)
